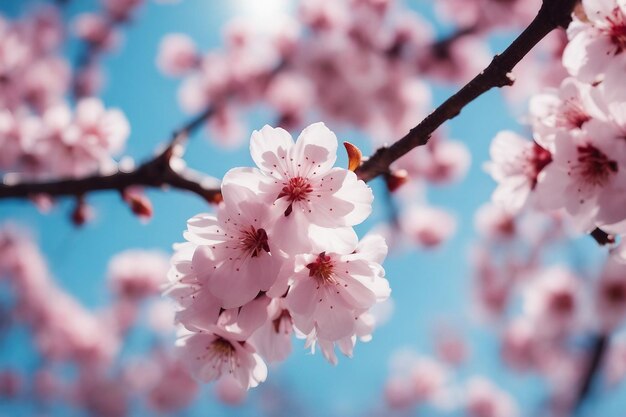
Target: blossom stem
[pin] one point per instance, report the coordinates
(553, 14)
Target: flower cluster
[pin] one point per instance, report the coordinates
(65, 332)
(355, 62)
(280, 255)
(31, 71)
(62, 142)
(577, 161)
(559, 305)
(100, 30)
(40, 134)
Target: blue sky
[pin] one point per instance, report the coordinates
(426, 286)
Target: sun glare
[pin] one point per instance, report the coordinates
(264, 14)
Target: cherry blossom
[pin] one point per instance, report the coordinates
(484, 399)
(216, 352)
(177, 54)
(236, 252)
(300, 177)
(330, 290)
(563, 110)
(427, 226)
(138, 274)
(610, 295)
(597, 40)
(553, 300)
(588, 168)
(273, 339)
(83, 142)
(515, 165)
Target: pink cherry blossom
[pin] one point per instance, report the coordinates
(174, 388)
(563, 110)
(216, 352)
(97, 30)
(136, 274)
(102, 395)
(273, 339)
(586, 170)
(363, 328)
(236, 252)
(198, 307)
(520, 345)
(398, 393)
(553, 301)
(484, 399)
(177, 54)
(610, 295)
(486, 14)
(18, 138)
(597, 41)
(121, 9)
(493, 222)
(440, 161)
(451, 346)
(300, 177)
(428, 226)
(330, 290)
(229, 391)
(515, 165)
(84, 142)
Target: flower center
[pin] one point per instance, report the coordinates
(615, 293)
(297, 189)
(562, 302)
(617, 30)
(222, 347)
(572, 115)
(254, 241)
(538, 158)
(322, 269)
(595, 168)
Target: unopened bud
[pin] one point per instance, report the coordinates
(354, 156)
(138, 202)
(396, 179)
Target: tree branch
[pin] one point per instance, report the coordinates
(553, 14)
(156, 172)
(599, 348)
(602, 237)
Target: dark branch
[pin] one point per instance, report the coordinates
(602, 237)
(442, 46)
(598, 350)
(156, 173)
(553, 14)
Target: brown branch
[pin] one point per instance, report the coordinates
(442, 46)
(156, 173)
(553, 14)
(602, 237)
(598, 351)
